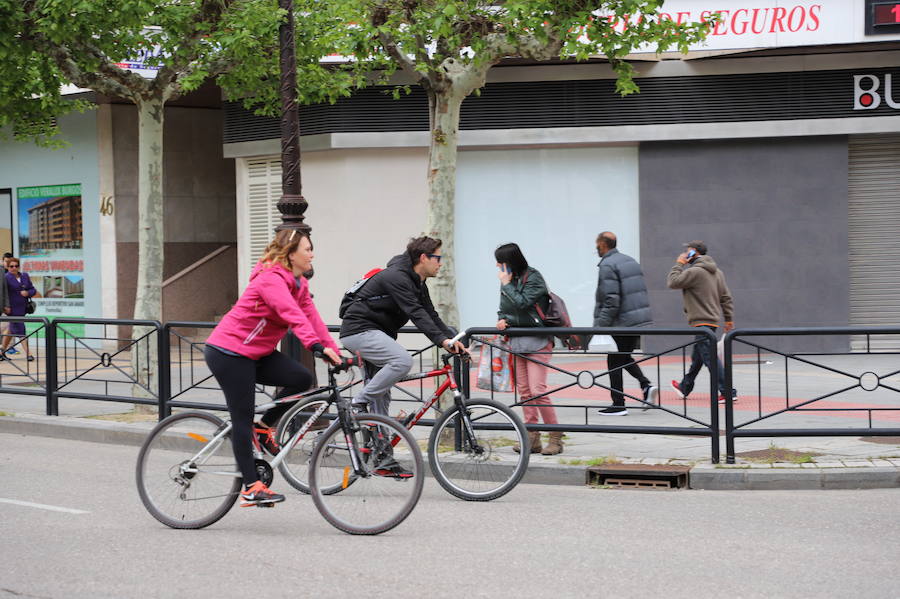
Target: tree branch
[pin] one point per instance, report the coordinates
(407, 65)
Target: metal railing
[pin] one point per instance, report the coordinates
(100, 360)
(790, 401)
(590, 378)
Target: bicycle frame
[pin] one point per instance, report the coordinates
(209, 446)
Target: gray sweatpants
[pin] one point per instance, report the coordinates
(389, 356)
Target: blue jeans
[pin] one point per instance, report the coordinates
(702, 355)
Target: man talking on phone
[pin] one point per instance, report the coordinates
(706, 300)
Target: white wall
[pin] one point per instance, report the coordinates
(364, 205)
(553, 203)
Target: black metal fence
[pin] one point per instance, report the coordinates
(584, 371)
(846, 376)
(104, 360)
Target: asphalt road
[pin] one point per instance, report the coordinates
(538, 541)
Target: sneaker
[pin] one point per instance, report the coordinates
(613, 411)
(259, 494)
(12, 350)
(360, 407)
(266, 436)
(733, 398)
(677, 386)
(651, 396)
(390, 468)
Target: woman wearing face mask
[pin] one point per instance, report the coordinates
(241, 350)
(521, 289)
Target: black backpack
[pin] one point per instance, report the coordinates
(350, 296)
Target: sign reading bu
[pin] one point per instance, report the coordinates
(868, 92)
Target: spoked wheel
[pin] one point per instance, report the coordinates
(387, 489)
(478, 464)
(295, 467)
(184, 480)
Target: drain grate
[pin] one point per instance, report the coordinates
(638, 476)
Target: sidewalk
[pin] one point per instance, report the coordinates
(761, 463)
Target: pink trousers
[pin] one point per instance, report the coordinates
(531, 380)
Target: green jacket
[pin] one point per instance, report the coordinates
(518, 297)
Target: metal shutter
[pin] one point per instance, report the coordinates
(874, 223)
(263, 191)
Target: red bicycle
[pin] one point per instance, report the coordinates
(469, 449)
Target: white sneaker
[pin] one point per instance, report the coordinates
(651, 396)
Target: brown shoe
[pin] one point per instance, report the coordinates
(554, 445)
(534, 439)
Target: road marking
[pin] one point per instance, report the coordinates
(41, 506)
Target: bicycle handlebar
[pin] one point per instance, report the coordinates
(346, 363)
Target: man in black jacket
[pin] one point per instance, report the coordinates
(622, 301)
(385, 303)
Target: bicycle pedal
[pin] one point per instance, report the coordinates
(265, 505)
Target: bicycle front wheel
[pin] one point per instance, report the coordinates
(381, 489)
(295, 464)
(185, 476)
(471, 454)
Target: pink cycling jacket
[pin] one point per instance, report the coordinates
(271, 304)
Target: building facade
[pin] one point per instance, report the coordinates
(776, 142)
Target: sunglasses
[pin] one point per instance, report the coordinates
(435, 256)
(13, 266)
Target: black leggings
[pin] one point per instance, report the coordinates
(238, 376)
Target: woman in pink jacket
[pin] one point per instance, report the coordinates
(241, 350)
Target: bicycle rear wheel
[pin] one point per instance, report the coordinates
(184, 480)
(384, 493)
(469, 463)
(295, 464)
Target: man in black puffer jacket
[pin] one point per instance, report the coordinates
(622, 301)
(385, 303)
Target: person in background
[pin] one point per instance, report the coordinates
(706, 300)
(20, 290)
(622, 301)
(4, 324)
(521, 289)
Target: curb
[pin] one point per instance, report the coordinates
(790, 479)
(704, 477)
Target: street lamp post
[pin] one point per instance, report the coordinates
(291, 205)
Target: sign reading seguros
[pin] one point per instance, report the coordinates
(868, 92)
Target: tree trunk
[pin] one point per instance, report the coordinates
(148, 299)
(441, 197)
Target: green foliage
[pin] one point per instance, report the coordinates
(424, 36)
(46, 44)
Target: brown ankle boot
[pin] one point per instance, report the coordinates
(534, 439)
(554, 445)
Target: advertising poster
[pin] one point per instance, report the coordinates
(49, 229)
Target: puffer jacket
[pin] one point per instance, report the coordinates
(621, 299)
(705, 293)
(271, 304)
(518, 297)
(390, 299)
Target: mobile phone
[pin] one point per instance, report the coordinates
(691, 253)
(505, 268)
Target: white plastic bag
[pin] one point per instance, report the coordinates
(495, 366)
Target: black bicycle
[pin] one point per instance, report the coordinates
(187, 476)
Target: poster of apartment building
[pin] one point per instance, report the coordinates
(50, 246)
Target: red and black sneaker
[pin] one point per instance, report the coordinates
(258, 494)
(266, 436)
(390, 468)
